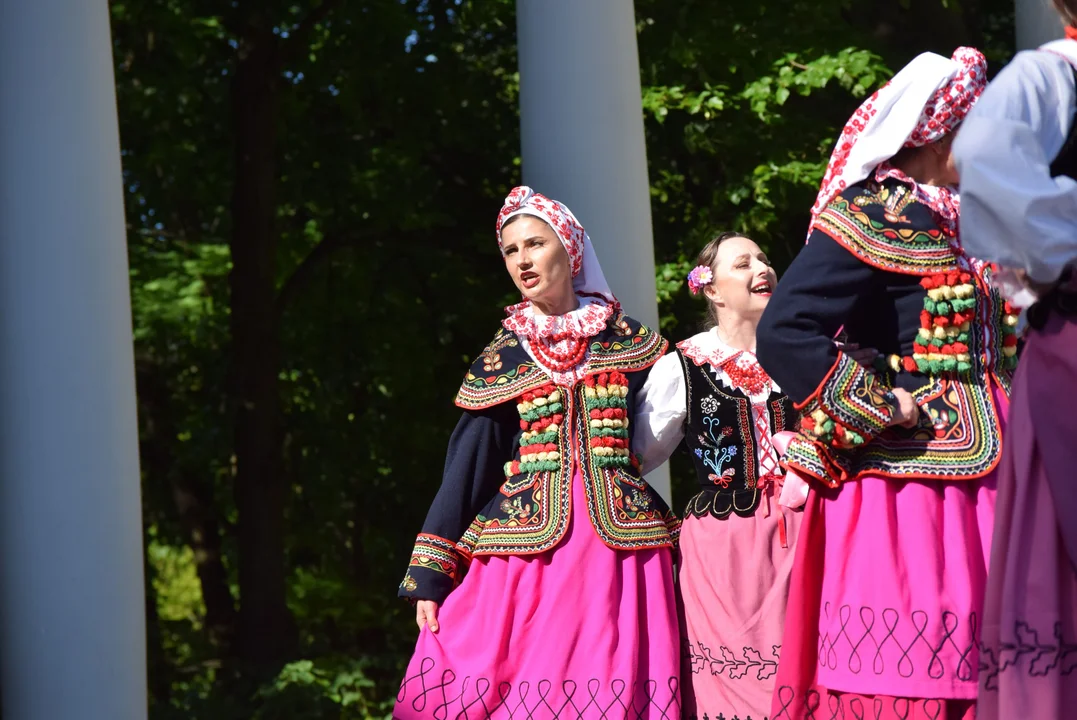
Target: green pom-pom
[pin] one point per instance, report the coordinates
(930, 306)
(962, 304)
(963, 366)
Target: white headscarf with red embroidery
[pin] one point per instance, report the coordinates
(920, 105)
(587, 277)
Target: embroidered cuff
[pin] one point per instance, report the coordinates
(850, 407)
(433, 570)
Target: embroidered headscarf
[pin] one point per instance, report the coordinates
(587, 277)
(920, 105)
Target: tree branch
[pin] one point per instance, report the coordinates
(303, 272)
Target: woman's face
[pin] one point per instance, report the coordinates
(536, 260)
(743, 279)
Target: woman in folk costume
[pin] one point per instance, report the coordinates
(567, 609)
(1017, 156)
(736, 546)
(885, 609)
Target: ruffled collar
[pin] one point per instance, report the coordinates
(735, 368)
(587, 320)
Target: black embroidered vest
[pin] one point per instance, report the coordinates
(720, 435)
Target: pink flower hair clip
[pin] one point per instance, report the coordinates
(699, 278)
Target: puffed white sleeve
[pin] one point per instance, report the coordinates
(660, 413)
(1012, 211)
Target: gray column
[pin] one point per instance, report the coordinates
(1036, 22)
(581, 126)
(72, 636)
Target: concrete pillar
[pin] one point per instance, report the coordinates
(581, 127)
(1036, 22)
(72, 635)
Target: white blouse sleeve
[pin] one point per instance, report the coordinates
(1012, 211)
(661, 409)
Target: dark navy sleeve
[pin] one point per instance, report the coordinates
(474, 470)
(843, 404)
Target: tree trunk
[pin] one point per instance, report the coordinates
(194, 504)
(267, 635)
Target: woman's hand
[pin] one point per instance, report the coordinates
(865, 357)
(426, 614)
(906, 411)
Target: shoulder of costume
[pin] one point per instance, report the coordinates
(884, 225)
(688, 349)
(501, 372)
(505, 370)
(626, 345)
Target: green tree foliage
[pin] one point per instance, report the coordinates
(311, 188)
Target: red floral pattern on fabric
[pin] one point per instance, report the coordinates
(548, 337)
(737, 368)
(952, 102)
(946, 109)
(589, 319)
(569, 231)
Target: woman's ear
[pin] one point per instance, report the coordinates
(712, 294)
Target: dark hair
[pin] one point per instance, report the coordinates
(516, 217)
(1068, 10)
(707, 256)
(513, 219)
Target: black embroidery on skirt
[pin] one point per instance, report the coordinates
(867, 630)
(720, 716)
(444, 698)
(729, 664)
(869, 708)
(1024, 651)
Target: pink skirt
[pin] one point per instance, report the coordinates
(887, 601)
(582, 631)
(734, 582)
(1030, 615)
